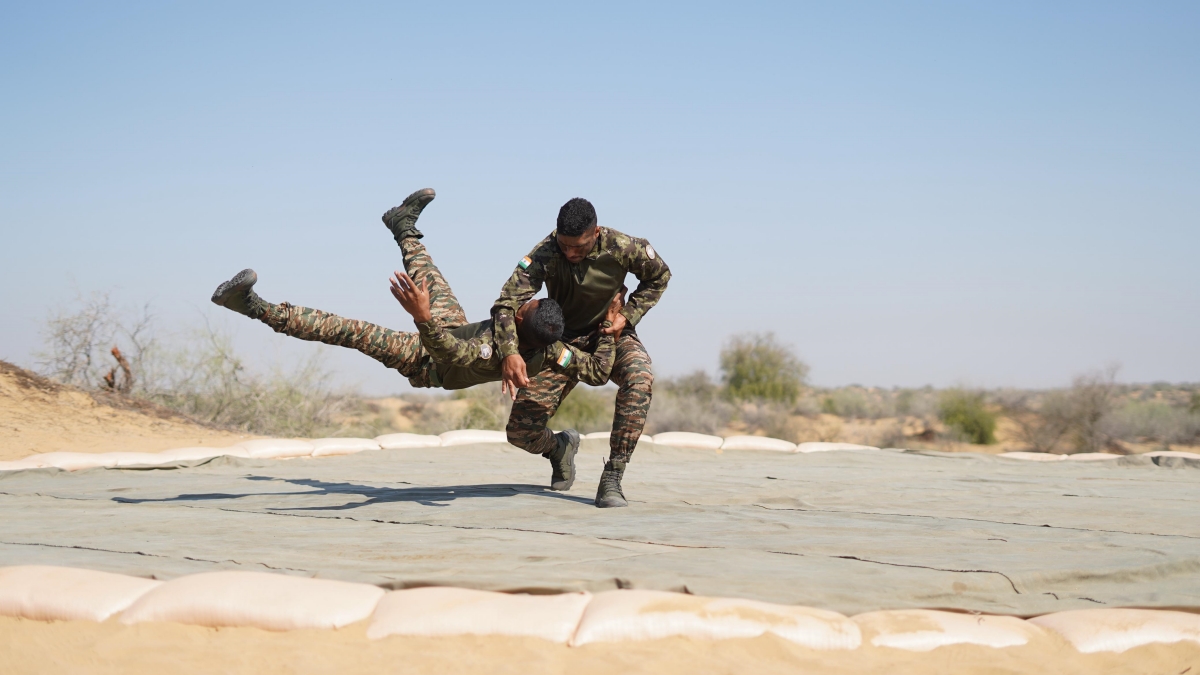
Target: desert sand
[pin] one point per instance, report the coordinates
(37, 416)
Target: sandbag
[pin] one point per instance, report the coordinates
(829, 447)
(21, 464)
(1116, 630)
(73, 461)
(757, 443)
(139, 458)
(605, 435)
(461, 611)
(650, 615)
(196, 454)
(468, 436)
(45, 593)
(277, 448)
(1092, 456)
(920, 630)
(688, 439)
(323, 447)
(267, 601)
(1172, 453)
(1033, 456)
(398, 441)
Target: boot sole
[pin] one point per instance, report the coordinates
(613, 504)
(240, 282)
(572, 449)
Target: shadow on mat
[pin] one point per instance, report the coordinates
(424, 495)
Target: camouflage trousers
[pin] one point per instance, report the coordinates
(401, 351)
(538, 402)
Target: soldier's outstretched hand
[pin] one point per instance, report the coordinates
(413, 298)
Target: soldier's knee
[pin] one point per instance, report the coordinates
(641, 381)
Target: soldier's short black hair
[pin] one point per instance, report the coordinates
(545, 325)
(576, 216)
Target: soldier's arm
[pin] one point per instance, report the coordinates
(594, 368)
(525, 282)
(443, 347)
(652, 274)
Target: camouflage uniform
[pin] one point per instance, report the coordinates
(584, 290)
(446, 352)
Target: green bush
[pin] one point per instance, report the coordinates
(965, 412)
(756, 367)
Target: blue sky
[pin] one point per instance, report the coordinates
(982, 193)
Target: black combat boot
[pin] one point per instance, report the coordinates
(402, 220)
(562, 460)
(238, 294)
(609, 494)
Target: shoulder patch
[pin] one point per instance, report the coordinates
(650, 251)
(525, 263)
(564, 358)
(485, 351)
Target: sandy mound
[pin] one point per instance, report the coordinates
(37, 415)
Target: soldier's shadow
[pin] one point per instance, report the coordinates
(440, 495)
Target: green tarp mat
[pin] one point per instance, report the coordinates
(851, 531)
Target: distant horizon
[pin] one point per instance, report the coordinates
(999, 195)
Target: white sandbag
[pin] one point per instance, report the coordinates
(1116, 630)
(276, 448)
(649, 615)
(1033, 456)
(323, 447)
(468, 436)
(920, 630)
(21, 464)
(605, 435)
(73, 461)
(268, 601)
(757, 443)
(139, 458)
(200, 453)
(688, 439)
(461, 611)
(1172, 453)
(829, 447)
(46, 593)
(398, 441)
(1092, 456)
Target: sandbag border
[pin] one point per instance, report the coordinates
(282, 602)
(278, 448)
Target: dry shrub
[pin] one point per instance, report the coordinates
(688, 403)
(196, 373)
(586, 409)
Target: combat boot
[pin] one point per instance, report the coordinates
(238, 294)
(402, 220)
(609, 494)
(562, 460)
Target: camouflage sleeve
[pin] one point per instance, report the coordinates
(525, 282)
(588, 368)
(652, 273)
(445, 348)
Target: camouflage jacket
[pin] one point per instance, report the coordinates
(585, 289)
(466, 355)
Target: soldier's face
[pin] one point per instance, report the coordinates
(525, 310)
(577, 248)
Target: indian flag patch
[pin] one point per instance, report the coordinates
(525, 263)
(564, 357)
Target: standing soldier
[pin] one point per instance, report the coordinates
(446, 352)
(583, 266)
